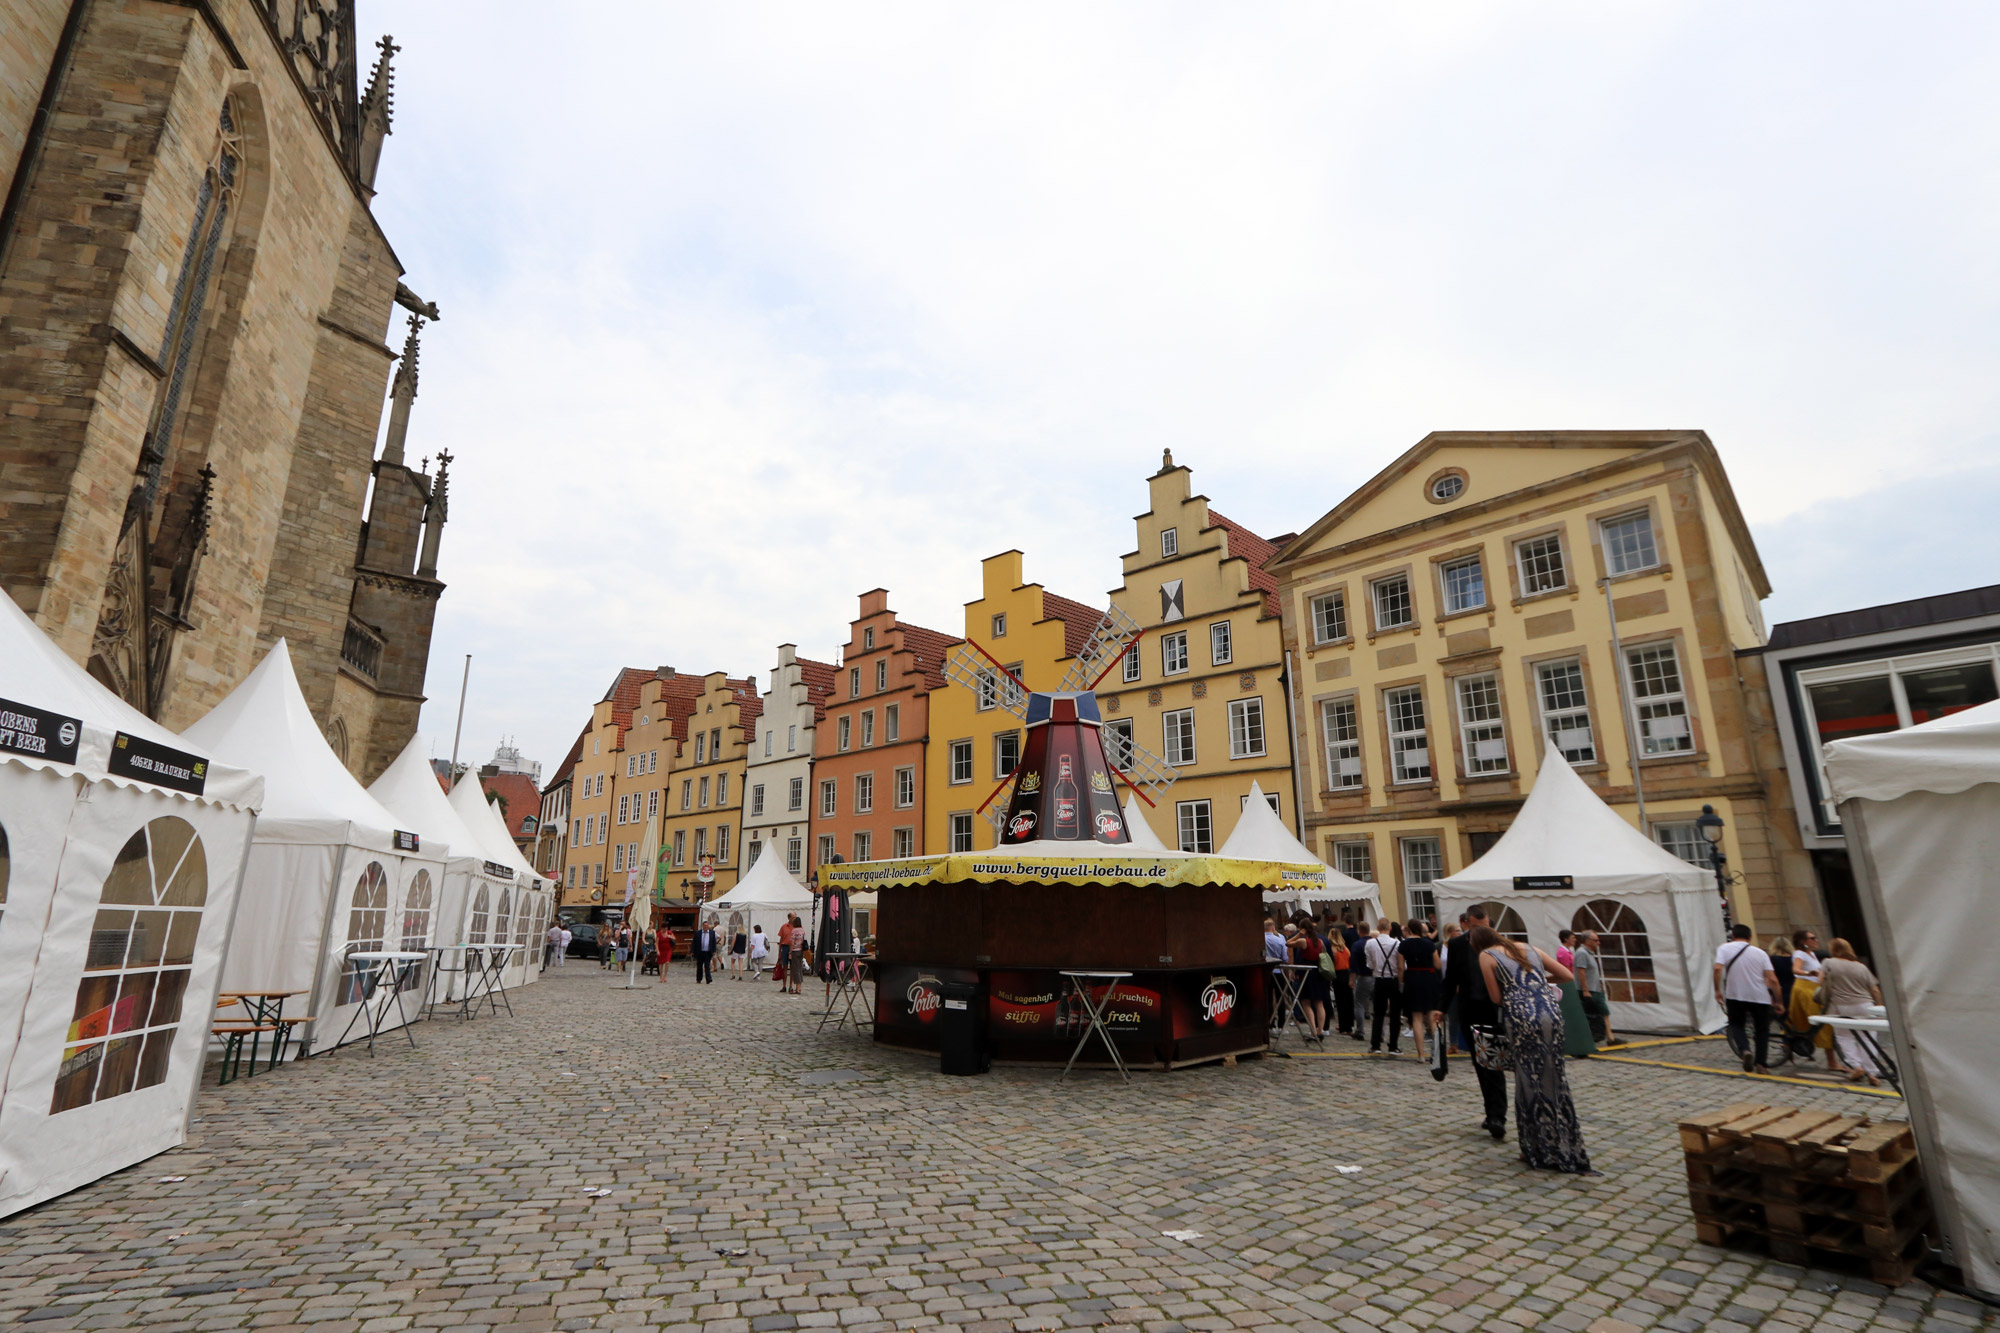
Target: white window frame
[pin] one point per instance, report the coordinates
(701, 793)
(1132, 667)
(721, 842)
(826, 852)
(1665, 722)
(1481, 724)
(843, 730)
(795, 794)
(795, 851)
(1002, 742)
(1457, 594)
(1629, 557)
(1340, 730)
(1270, 799)
(959, 831)
(1170, 543)
(1221, 650)
(987, 697)
(864, 793)
(1378, 587)
(757, 801)
(1246, 727)
(791, 739)
(998, 625)
(687, 793)
(1329, 617)
(881, 674)
(769, 735)
(701, 747)
(902, 842)
(906, 788)
(1174, 653)
(958, 762)
(867, 727)
(1355, 858)
(1564, 704)
(1422, 898)
(892, 724)
(1405, 740)
(829, 797)
(1119, 744)
(1535, 570)
(1194, 825)
(1177, 737)
(854, 682)
(1683, 838)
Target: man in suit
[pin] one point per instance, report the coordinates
(1464, 984)
(705, 941)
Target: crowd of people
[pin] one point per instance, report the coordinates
(1783, 987)
(621, 945)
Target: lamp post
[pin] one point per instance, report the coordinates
(1711, 827)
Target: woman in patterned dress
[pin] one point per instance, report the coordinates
(1518, 981)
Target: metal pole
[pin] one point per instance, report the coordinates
(1292, 728)
(1628, 707)
(457, 731)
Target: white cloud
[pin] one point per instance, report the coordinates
(748, 309)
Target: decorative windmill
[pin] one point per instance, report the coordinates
(972, 667)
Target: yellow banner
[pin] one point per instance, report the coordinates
(991, 867)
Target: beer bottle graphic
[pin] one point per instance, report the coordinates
(1064, 828)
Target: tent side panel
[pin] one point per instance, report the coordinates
(277, 941)
(35, 806)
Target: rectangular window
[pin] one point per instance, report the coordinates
(769, 734)
(829, 798)
(722, 789)
(868, 638)
(680, 846)
(989, 689)
(1010, 684)
(576, 835)
(1177, 731)
(1464, 585)
(652, 803)
(795, 851)
(1628, 543)
(1118, 743)
(631, 769)
(1006, 753)
(844, 729)
(961, 833)
(701, 747)
(1540, 561)
(906, 788)
(1683, 839)
(1342, 730)
(1356, 860)
(622, 801)
(795, 794)
(652, 761)
(722, 842)
(1392, 602)
(1270, 799)
(867, 726)
(999, 625)
(1565, 712)
(751, 853)
(1480, 726)
(618, 857)
(1246, 728)
(1409, 740)
(791, 739)
(1170, 543)
(1329, 612)
(826, 849)
(687, 793)
(892, 723)
(1132, 664)
(881, 675)
(961, 761)
(1197, 830)
(1423, 863)
(715, 745)
(1658, 699)
(864, 793)
(864, 846)
(903, 842)
(854, 682)
(603, 826)
(1173, 652)
(702, 799)
(1220, 651)
(700, 843)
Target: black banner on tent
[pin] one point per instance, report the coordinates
(161, 765)
(1543, 882)
(498, 871)
(405, 841)
(38, 732)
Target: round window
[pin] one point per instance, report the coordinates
(1447, 487)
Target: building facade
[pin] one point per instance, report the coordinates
(553, 837)
(512, 784)
(1856, 673)
(777, 813)
(1202, 688)
(195, 300)
(868, 788)
(1492, 598)
(976, 736)
(701, 815)
(604, 773)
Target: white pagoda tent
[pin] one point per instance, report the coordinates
(521, 906)
(325, 877)
(121, 857)
(1309, 882)
(1138, 830)
(1921, 811)
(763, 897)
(1659, 918)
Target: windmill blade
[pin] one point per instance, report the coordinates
(1109, 638)
(1140, 766)
(964, 666)
(996, 812)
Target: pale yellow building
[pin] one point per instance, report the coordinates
(975, 739)
(1453, 622)
(701, 812)
(1202, 687)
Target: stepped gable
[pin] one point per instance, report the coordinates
(1256, 550)
(749, 703)
(678, 693)
(819, 678)
(928, 646)
(1078, 620)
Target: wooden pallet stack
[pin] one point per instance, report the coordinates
(1809, 1187)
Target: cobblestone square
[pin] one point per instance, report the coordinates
(453, 1186)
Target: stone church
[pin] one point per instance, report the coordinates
(195, 319)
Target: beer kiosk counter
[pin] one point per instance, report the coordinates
(1066, 889)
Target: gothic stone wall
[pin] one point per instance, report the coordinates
(83, 305)
(28, 41)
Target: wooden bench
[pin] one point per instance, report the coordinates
(232, 1035)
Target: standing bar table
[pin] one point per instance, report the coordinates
(850, 975)
(1079, 983)
(380, 968)
(1291, 978)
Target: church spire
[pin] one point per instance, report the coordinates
(435, 513)
(378, 107)
(401, 394)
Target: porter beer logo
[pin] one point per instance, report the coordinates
(1021, 825)
(1217, 1000)
(1107, 824)
(924, 998)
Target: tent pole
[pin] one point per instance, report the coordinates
(463, 681)
(1627, 706)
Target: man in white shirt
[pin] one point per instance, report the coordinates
(1380, 955)
(1746, 985)
(554, 950)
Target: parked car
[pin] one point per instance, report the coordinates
(583, 940)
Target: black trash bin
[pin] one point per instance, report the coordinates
(962, 1029)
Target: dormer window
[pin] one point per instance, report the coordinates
(1170, 543)
(1000, 626)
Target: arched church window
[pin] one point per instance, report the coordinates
(1506, 921)
(1624, 950)
(136, 970)
(367, 927)
(416, 926)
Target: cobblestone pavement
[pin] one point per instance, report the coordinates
(446, 1188)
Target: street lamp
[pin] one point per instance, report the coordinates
(1710, 825)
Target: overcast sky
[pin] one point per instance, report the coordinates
(748, 309)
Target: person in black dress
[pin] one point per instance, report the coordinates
(1417, 978)
(1307, 946)
(1464, 983)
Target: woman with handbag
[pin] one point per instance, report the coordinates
(1517, 979)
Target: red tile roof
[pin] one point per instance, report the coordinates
(928, 647)
(749, 703)
(819, 678)
(1078, 620)
(677, 696)
(568, 765)
(1256, 550)
(519, 801)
